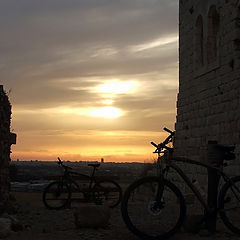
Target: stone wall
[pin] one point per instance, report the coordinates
(6, 139)
(208, 105)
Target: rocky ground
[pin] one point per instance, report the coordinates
(39, 223)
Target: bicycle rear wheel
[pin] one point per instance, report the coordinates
(56, 195)
(229, 204)
(145, 217)
(107, 191)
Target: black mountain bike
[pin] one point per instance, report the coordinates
(154, 207)
(59, 194)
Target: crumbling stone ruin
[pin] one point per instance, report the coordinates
(6, 140)
(208, 105)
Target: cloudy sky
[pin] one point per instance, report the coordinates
(89, 78)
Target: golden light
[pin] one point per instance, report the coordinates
(108, 101)
(106, 112)
(117, 87)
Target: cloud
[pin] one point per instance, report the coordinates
(43, 35)
(56, 53)
(156, 43)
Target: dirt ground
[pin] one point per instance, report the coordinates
(42, 224)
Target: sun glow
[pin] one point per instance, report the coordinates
(117, 87)
(108, 101)
(106, 112)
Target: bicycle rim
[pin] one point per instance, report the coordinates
(107, 192)
(144, 217)
(57, 195)
(229, 204)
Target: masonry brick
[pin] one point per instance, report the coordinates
(208, 103)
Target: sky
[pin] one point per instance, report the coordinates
(89, 79)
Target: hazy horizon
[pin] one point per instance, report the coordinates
(76, 161)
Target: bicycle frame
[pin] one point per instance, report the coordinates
(170, 164)
(163, 193)
(68, 176)
(91, 179)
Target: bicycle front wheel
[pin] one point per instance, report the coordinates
(229, 204)
(146, 217)
(108, 192)
(56, 195)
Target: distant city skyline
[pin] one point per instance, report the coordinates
(89, 79)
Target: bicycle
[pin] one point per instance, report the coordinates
(58, 194)
(154, 208)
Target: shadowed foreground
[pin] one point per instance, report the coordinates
(40, 223)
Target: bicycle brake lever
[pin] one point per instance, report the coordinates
(154, 144)
(169, 131)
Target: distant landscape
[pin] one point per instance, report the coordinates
(34, 175)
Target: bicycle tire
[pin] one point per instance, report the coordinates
(143, 226)
(108, 192)
(228, 196)
(56, 192)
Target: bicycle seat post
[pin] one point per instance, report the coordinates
(93, 172)
(95, 166)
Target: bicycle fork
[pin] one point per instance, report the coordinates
(159, 201)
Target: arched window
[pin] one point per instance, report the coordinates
(199, 42)
(213, 29)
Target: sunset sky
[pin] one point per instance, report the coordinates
(89, 79)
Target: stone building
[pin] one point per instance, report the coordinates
(6, 139)
(208, 105)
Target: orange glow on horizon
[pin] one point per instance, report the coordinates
(113, 146)
(33, 156)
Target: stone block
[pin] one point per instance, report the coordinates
(5, 144)
(13, 138)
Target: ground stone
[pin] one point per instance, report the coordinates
(193, 223)
(5, 227)
(92, 216)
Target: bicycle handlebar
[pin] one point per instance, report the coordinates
(59, 161)
(62, 165)
(165, 142)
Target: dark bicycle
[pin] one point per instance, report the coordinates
(154, 207)
(59, 194)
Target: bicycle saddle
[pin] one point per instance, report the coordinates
(94, 164)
